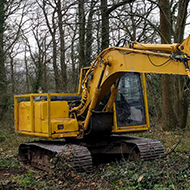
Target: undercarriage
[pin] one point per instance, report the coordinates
(79, 154)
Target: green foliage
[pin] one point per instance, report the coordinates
(25, 180)
(6, 105)
(168, 173)
(8, 161)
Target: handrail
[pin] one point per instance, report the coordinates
(31, 96)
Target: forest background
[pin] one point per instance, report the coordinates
(45, 43)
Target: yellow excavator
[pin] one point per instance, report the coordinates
(111, 101)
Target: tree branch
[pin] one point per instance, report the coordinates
(115, 6)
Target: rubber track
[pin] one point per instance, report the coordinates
(44, 151)
(149, 149)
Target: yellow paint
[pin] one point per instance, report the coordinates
(145, 101)
(42, 118)
(133, 128)
(158, 47)
(111, 100)
(24, 118)
(136, 128)
(48, 119)
(16, 113)
(82, 74)
(123, 60)
(184, 47)
(45, 135)
(91, 107)
(69, 125)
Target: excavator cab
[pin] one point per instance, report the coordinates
(129, 103)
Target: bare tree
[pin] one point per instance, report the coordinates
(81, 14)
(9, 35)
(2, 62)
(89, 33)
(167, 112)
(134, 22)
(62, 46)
(175, 105)
(105, 12)
(180, 83)
(52, 27)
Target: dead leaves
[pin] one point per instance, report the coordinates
(140, 179)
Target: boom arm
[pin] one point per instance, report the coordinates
(113, 62)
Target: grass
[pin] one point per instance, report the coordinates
(9, 147)
(169, 173)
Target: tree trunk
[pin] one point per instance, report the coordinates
(45, 78)
(55, 69)
(168, 121)
(180, 94)
(105, 25)
(2, 64)
(82, 61)
(12, 75)
(52, 30)
(27, 75)
(181, 20)
(75, 72)
(3, 85)
(89, 35)
(39, 74)
(62, 48)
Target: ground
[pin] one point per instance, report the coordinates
(169, 172)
